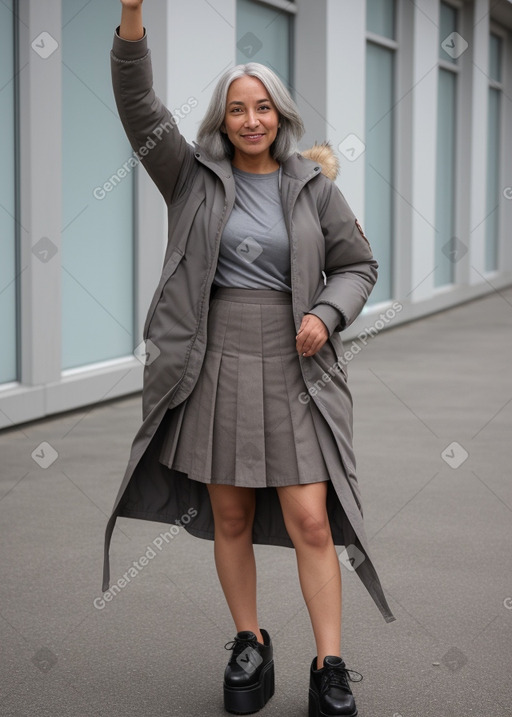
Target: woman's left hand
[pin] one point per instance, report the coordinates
(312, 335)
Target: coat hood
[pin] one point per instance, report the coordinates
(323, 154)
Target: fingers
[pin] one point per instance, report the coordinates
(311, 336)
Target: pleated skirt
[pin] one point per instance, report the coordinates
(247, 421)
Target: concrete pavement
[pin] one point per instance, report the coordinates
(433, 434)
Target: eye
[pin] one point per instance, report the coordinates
(265, 107)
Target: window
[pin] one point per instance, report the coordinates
(264, 34)
(492, 228)
(97, 228)
(450, 46)
(380, 91)
(8, 263)
(380, 18)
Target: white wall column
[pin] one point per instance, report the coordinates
(40, 138)
(463, 141)
(505, 248)
(478, 151)
(201, 39)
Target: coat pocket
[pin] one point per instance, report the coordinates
(337, 347)
(168, 270)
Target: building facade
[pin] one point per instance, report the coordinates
(415, 98)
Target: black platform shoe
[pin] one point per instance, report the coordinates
(329, 691)
(249, 675)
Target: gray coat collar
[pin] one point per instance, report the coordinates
(295, 167)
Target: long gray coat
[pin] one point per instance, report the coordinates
(324, 237)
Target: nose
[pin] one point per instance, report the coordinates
(252, 120)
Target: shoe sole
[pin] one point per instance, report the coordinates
(314, 707)
(247, 700)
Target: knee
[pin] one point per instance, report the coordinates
(314, 532)
(233, 522)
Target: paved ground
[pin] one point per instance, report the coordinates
(441, 536)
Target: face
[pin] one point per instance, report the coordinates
(251, 120)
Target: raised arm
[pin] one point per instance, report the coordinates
(151, 129)
(131, 27)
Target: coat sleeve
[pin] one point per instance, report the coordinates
(351, 270)
(150, 127)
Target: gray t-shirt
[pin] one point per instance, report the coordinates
(255, 249)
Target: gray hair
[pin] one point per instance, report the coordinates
(218, 145)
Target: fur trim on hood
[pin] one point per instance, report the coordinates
(323, 154)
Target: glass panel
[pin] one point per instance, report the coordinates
(379, 164)
(8, 367)
(445, 179)
(493, 181)
(447, 25)
(263, 35)
(495, 58)
(380, 17)
(97, 239)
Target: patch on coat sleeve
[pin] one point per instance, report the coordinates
(361, 232)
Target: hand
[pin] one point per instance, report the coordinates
(312, 335)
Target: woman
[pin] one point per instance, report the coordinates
(246, 436)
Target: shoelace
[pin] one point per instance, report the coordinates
(339, 677)
(239, 644)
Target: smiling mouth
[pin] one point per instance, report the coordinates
(252, 136)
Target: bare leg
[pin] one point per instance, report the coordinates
(233, 512)
(305, 515)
